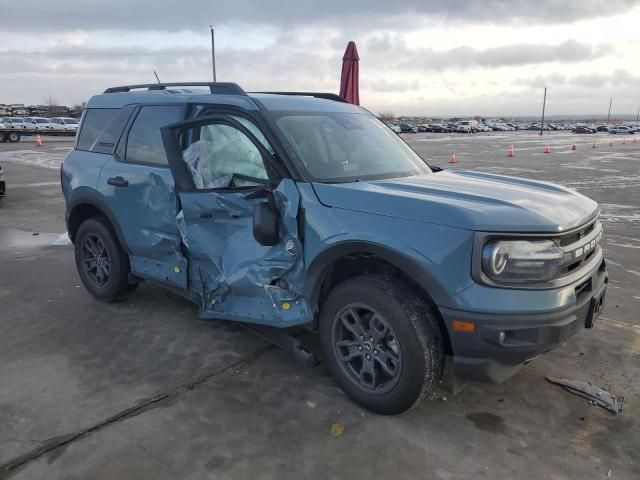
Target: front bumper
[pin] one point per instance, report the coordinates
(483, 356)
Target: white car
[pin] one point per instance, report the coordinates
(12, 122)
(36, 123)
(620, 129)
(64, 123)
(395, 128)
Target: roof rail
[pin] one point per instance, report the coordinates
(220, 88)
(326, 96)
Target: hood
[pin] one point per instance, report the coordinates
(470, 200)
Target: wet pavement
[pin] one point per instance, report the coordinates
(145, 389)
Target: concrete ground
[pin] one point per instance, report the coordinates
(145, 389)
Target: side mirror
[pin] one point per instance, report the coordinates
(266, 224)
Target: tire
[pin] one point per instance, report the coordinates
(411, 344)
(107, 278)
(13, 137)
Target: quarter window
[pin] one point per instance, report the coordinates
(94, 122)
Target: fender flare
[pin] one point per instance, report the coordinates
(320, 266)
(88, 196)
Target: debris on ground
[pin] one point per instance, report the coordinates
(597, 395)
(337, 429)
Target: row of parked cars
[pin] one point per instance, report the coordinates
(40, 123)
(628, 128)
(473, 126)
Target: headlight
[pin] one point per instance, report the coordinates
(520, 261)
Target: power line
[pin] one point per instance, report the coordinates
(229, 30)
(106, 54)
(63, 14)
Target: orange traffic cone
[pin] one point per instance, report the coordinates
(38, 140)
(573, 147)
(611, 143)
(511, 153)
(547, 149)
(595, 145)
(634, 140)
(453, 158)
(624, 141)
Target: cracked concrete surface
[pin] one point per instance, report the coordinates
(144, 389)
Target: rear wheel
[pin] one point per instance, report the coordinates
(382, 343)
(13, 137)
(102, 264)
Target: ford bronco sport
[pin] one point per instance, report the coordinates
(299, 209)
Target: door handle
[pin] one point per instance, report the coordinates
(118, 182)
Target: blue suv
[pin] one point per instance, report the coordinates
(292, 209)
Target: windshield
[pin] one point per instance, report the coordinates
(346, 147)
(42, 120)
(70, 121)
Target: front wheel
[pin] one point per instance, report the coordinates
(382, 343)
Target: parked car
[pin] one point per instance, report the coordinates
(438, 128)
(3, 185)
(582, 129)
(11, 122)
(602, 128)
(64, 123)
(620, 129)
(281, 211)
(423, 128)
(36, 123)
(395, 128)
(408, 128)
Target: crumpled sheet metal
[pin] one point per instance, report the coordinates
(156, 195)
(230, 265)
(586, 390)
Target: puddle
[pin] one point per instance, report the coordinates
(17, 240)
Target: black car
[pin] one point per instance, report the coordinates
(439, 128)
(407, 128)
(582, 130)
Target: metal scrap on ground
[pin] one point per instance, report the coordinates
(586, 390)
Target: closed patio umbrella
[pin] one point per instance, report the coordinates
(350, 75)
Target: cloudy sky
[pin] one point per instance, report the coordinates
(451, 57)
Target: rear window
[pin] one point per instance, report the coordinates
(144, 144)
(94, 122)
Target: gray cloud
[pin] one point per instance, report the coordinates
(618, 78)
(504, 56)
(167, 15)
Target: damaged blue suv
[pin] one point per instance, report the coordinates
(286, 209)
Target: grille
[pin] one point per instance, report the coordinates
(576, 236)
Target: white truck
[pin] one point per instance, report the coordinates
(467, 126)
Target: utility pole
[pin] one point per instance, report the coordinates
(544, 104)
(158, 79)
(638, 115)
(609, 114)
(213, 53)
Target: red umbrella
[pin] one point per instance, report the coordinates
(350, 76)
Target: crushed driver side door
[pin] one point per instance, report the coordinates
(223, 172)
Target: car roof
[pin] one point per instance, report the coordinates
(118, 97)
